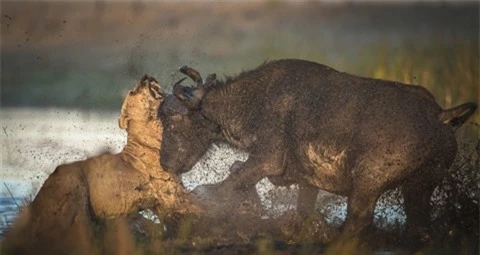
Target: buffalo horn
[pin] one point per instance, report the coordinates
(193, 74)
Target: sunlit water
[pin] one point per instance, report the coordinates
(33, 142)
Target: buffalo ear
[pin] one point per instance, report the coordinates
(211, 79)
(190, 97)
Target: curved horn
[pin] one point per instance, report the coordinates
(193, 74)
(186, 95)
(177, 89)
(177, 83)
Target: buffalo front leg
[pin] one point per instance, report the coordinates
(257, 167)
(307, 198)
(241, 184)
(250, 200)
(239, 187)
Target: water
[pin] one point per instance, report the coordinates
(9, 208)
(13, 195)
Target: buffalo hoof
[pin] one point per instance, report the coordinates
(416, 238)
(312, 228)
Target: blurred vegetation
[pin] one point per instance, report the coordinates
(451, 73)
(61, 58)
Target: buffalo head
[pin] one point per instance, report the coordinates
(188, 134)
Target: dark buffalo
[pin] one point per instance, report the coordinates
(307, 123)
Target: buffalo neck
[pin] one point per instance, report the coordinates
(229, 107)
(231, 102)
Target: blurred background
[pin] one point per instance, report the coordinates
(86, 54)
(66, 65)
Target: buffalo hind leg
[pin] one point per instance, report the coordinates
(310, 225)
(417, 202)
(307, 198)
(360, 208)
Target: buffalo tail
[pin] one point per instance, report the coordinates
(456, 116)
